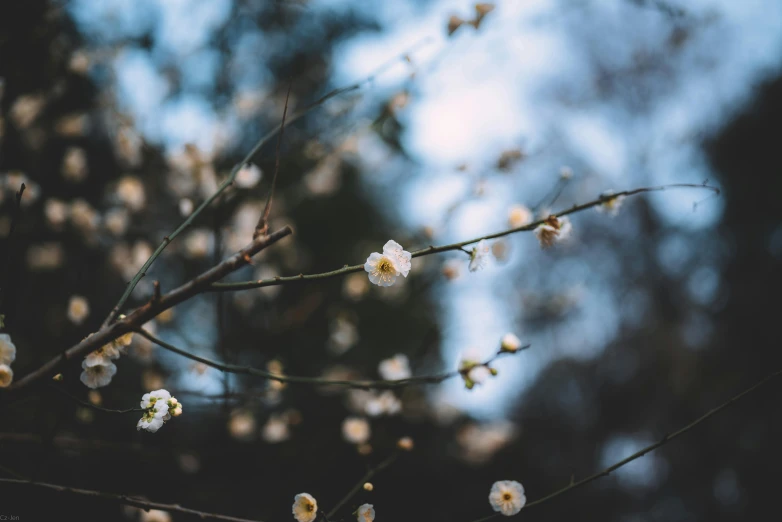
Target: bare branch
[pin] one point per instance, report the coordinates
(366, 478)
(640, 453)
(246, 285)
(318, 381)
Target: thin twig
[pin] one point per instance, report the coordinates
(263, 221)
(318, 381)
(366, 478)
(124, 499)
(638, 454)
(246, 285)
(229, 181)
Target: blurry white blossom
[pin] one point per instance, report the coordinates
(385, 403)
(7, 349)
(116, 221)
(395, 368)
(507, 497)
(78, 309)
(276, 429)
(510, 343)
(198, 243)
(344, 335)
(355, 286)
(610, 205)
(45, 256)
(553, 230)
(130, 191)
(565, 172)
(155, 515)
(241, 425)
(248, 176)
(479, 442)
(479, 256)
(26, 109)
(97, 375)
(305, 507)
(56, 213)
(365, 513)
(185, 207)
(518, 216)
(74, 165)
(356, 430)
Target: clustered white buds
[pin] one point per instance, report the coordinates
(305, 507)
(159, 407)
(507, 497)
(474, 371)
(479, 256)
(553, 230)
(383, 269)
(98, 366)
(7, 356)
(510, 343)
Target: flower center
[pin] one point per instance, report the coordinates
(506, 496)
(385, 266)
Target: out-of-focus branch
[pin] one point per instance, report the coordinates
(318, 381)
(640, 453)
(123, 499)
(247, 159)
(90, 405)
(154, 307)
(246, 285)
(6, 273)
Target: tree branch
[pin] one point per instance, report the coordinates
(124, 499)
(247, 285)
(318, 381)
(366, 478)
(640, 453)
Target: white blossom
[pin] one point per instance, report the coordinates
(150, 399)
(365, 513)
(479, 374)
(6, 375)
(510, 343)
(610, 205)
(103, 355)
(519, 215)
(395, 368)
(305, 507)
(155, 515)
(275, 430)
(553, 230)
(7, 349)
(248, 176)
(355, 430)
(479, 256)
(97, 375)
(383, 269)
(507, 497)
(402, 258)
(160, 406)
(78, 309)
(385, 403)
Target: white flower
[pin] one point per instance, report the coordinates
(241, 425)
(610, 205)
(355, 430)
(103, 355)
(155, 515)
(565, 172)
(305, 507)
(402, 258)
(6, 375)
(7, 349)
(386, 403)
(78, 309)
(383, 269)
(553, 230)
(157, 413)
(395, 368)
(518, 216)
(479, 256)
(248, 176)
(275, 430)
(366, 513)
(478, 374)
(97, 375)
(507, 497)
(510, 343)
(150, 399)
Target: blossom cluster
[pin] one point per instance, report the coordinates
(159, 407)
(7, 356)
(98, 366)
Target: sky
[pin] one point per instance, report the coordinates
(593, 85)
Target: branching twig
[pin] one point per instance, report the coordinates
(228, 181)
(366, 478)
(90, 405)
(318, 381)
(246, 285)
(124, 499)
(640, 453)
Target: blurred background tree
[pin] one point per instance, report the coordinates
(120, 117)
